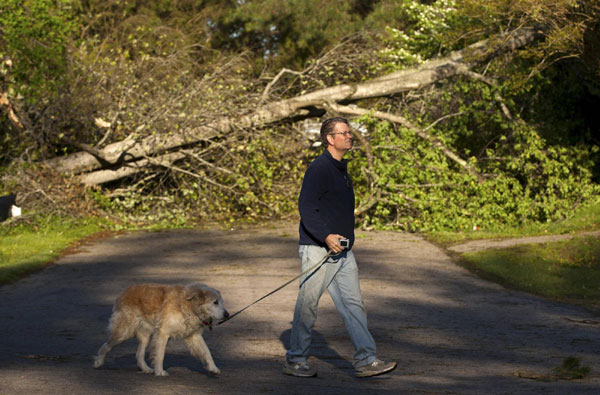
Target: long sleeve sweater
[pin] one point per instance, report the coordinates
(326, 201)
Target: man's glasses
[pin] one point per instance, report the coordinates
(346, 134)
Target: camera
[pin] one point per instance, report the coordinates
(344, 243)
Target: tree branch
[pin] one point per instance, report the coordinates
(12, 115)
(419, 132)
(265, 94)
(492, 83)
(410, 79)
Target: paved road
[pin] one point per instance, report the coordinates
(449, 331)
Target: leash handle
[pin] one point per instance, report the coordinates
(317, 266)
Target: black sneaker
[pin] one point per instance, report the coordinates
(299, 369)
(375, 368)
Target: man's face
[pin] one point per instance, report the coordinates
(341, 137)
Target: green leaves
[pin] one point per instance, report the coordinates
(36, 36)
(527, 180)
(422, 36)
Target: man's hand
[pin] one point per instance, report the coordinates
(333, 242)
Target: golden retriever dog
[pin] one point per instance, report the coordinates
(163, 312)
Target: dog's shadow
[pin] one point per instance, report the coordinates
(320, 350)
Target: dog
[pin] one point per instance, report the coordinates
(161, 312)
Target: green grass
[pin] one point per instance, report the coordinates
(566, 270)
(585, 219)
(27, 248)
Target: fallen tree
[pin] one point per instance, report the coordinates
(94, 166)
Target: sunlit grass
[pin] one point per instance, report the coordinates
(585, 219)
(568, 270)
(27, 248)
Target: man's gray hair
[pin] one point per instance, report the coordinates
(328, 125)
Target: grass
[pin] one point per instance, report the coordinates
(585, 219)
(29, 247)
(564, 270)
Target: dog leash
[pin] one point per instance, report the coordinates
(316, 267)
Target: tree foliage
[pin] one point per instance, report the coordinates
(35, 38)
(89, 73)
(532, 172)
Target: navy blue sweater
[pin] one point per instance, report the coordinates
(326, 201)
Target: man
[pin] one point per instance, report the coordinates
(326, 206)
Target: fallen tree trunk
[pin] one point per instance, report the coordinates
(119, 154)
(129, 169)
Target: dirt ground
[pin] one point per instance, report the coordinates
(449, 331)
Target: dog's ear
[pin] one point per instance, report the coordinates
(195, 293)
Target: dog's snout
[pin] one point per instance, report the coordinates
(226, 314)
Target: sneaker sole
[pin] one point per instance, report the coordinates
(297, 374)
(372, 374)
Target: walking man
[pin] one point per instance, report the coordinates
(326, 206)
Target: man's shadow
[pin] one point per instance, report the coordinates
(319, 349)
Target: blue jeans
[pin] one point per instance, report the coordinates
(339, 275)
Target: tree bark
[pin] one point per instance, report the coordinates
(129, 150)
(129, 169)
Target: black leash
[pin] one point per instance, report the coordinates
(316, 267)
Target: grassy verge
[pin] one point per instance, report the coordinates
(29, 247)
(585, 219)
(565, 270)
